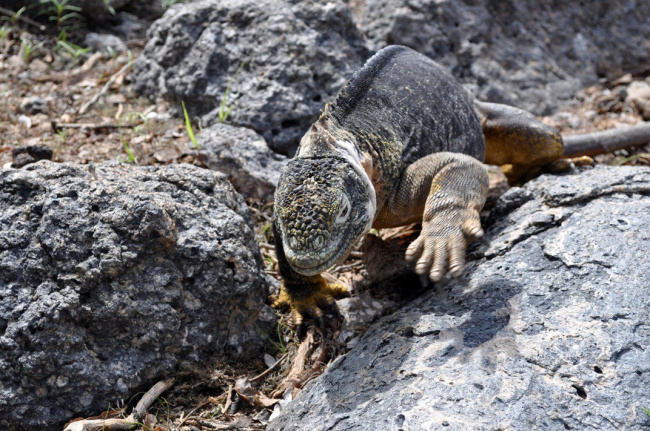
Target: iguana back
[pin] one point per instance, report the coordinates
(404, 106)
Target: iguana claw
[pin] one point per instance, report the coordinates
(310, 300)
(441, 245)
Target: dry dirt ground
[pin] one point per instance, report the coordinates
(81, 106)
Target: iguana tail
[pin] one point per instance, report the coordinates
(591, 144)
(515, 137)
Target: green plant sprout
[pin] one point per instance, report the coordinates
(281, 345)
(190, 130)
(63, 135)
(166, 407)
(28, 49)
(5, 30)
(224, 109)
(278, 345)
(145, 122)
(131, 157)
(60, 11)
(267, 232)
(74, 50)
(15, 17)
(111, 52)
(646, 411)
(110, 8)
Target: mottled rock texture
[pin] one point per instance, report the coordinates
(297, 54)
(111, 281)
(534, 54)
(547, 330)
(243, 155)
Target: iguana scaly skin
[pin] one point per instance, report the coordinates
(403, 143)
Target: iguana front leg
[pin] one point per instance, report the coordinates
(446, 191)
(302, 294)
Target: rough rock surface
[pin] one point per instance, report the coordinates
(243, 155)
(111, 279)
(531, 54)
(105, 42)
(297, 55)
(547, 330)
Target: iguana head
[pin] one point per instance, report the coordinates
(321, 209)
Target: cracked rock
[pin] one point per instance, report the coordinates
(281, 60)
(113, 277)
(241, 154)
(548, 329)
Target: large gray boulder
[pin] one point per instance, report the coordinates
(113, 278)
(534, 54)
(547, 330)
(297, 55)
(243, 155)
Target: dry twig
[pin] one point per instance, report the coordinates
(104, 89)
(200, 406)
(57, 126)
(134, 418)
(293, 379)
(268, 370)
(24, 19)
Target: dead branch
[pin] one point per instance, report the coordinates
(268, 370)
(57, 126)
(24, 19)
(228, 401)
(211, 424)
(90, 63)
(134, 418)
(104, 89)
(200, 406)
(299, 365)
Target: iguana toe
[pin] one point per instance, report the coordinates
(312, 303)
(440, 248)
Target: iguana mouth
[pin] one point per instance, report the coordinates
(310, 264)
(316, 262)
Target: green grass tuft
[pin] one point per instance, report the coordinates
(190, 130)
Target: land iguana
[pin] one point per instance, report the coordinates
(402, 143)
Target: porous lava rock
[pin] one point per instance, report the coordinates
(115, 276)
(279, 61)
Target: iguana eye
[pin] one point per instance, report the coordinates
(344, 210)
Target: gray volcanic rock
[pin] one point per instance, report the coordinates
(547, 330)
(531, 54)
(112, 279)
(241, 154)
(296, 54)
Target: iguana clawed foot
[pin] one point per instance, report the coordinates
(442, 243)
(309, 300)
